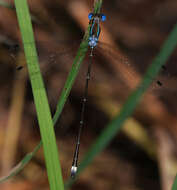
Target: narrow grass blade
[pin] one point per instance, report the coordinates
(75, 67)
(40, 97)
(174, 186)
(65, 92)
(20, 165)
(97, 6)
(115, 125)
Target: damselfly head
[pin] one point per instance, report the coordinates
(100, 16)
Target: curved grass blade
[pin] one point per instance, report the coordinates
(115, 125)
(40, 97)
(65, 92)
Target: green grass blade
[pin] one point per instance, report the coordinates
(66, 90)
(71, 77)
(115, 125)
(20, 165)
(75, 67)
(40, 97)
(174, 186)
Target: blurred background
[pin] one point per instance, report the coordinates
(143, 154)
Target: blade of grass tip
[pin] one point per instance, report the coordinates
(40, 97)
(174, 186)
(65, 92)
(20, 165)
(115, 125)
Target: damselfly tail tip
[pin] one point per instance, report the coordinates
(73, 171)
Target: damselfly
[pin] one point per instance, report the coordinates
(93, 40)
(51, 57)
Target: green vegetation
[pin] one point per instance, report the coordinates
(42, 108)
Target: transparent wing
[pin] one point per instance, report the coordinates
(110, 66)
(132, 72)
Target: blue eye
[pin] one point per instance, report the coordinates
(90, 16)
(103, 17)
